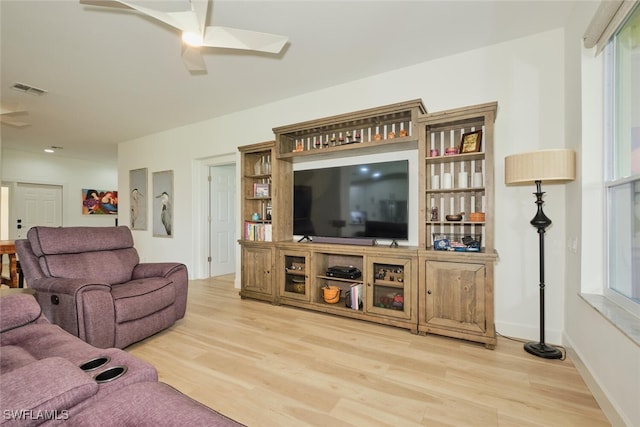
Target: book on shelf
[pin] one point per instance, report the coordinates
(355, 296)
(261, 190)
(256, 231)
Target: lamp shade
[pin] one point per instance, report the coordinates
(556, 165)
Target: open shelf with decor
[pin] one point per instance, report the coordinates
(257, 206)
(264, 218)
(457, 186)
(334, 275)
(390, 127)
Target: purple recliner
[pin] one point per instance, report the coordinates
(89, 281)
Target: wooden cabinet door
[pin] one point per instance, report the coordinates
(455, 297)
(257, 277)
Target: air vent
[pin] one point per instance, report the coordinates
(28, 89)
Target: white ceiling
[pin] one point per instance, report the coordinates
(113, 75)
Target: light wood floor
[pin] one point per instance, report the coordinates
(266, 365)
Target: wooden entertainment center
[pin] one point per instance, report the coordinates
(441, 285)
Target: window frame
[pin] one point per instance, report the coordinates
(610, 181)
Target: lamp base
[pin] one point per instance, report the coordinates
(543, 350)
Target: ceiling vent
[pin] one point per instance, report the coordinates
(21, 87)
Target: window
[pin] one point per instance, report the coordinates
(622, 179)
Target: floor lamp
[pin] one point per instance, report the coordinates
(548, 166)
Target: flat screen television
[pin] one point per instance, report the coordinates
(367, 200)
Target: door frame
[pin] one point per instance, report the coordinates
(12, 185)
(201, 230)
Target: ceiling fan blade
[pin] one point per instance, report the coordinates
(13, 122)
(105, 3)
(192, 58)
(233, 38)
(5, 109)
(185, 21)
(200, 9)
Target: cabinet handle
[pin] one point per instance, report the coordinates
(429, 292)
(368, 284)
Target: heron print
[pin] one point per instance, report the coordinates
(138, 199)
(165, 211)
(163, 204)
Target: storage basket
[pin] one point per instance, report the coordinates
(298, 285)
(331, 294)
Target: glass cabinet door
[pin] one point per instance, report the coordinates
(295, 278)
(389, 290)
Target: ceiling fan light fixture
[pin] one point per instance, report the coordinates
(192, 39)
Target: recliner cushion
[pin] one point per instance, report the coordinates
(114, 266)
(71, 240)
(140, 298)
(103, 254)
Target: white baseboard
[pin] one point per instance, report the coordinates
(603, 401)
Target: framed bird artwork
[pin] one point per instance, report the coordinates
(138, 195)
(163, 204)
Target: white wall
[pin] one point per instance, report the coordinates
(72, 174)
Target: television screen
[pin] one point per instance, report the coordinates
(364, 200)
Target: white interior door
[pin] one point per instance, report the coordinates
(35, 204)
(222, 220)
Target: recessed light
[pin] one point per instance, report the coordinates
(53, 149)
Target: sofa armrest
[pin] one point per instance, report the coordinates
(75, 305)
(53, 384)
(66, 286)
(18, 310)
(156, 269)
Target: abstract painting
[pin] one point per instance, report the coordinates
(99, 202)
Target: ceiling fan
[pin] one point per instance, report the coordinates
(7, 116)
(196, 34)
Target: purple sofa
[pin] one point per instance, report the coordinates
(45, 379)
(89, 281)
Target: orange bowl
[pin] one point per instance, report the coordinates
(331, 294)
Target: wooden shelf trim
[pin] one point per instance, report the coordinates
(455, 158)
